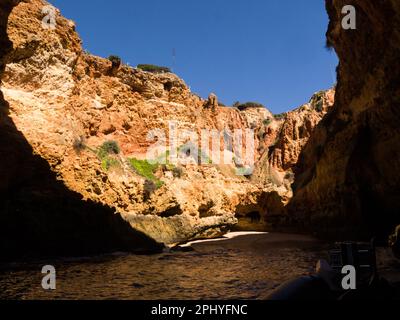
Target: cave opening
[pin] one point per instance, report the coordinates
(254, 216)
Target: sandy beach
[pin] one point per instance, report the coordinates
(260, 242)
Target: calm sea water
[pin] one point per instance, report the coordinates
(248, 267)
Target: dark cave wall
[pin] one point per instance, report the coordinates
(347, 179)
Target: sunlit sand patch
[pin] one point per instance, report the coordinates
(228, 236)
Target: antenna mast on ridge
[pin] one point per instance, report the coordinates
(173, 59)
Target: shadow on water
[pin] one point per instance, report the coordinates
(248, 267)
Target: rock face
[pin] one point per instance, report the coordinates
(347, 180)
(38, 214)
(283, 139)
(394, 242)
(297, 129)
(212, 102)
(76, 131)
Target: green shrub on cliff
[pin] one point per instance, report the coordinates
(115, 60)
(146, 170)
(79, 144)
(106, 152)
(317, 101)
(177, 172)
(153, 68)
(108, 163)
(267, 122)
(280, 116)
(108, 147)
(248, 105)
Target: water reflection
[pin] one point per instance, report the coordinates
(243, 268)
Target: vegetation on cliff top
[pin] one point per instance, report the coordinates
(317, 101)
(280, 116)
(115, 60)
(247, 105)
(153, 68)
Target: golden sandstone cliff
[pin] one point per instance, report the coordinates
(62, 189)
(39, 215)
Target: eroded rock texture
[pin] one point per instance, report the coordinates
(39, 215)
(348, 178)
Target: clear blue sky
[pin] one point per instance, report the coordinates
(269, 51)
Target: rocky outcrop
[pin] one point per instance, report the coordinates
(297, 128)
(347, 180)
(39, 215)
(283, 137)
(212, 102)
